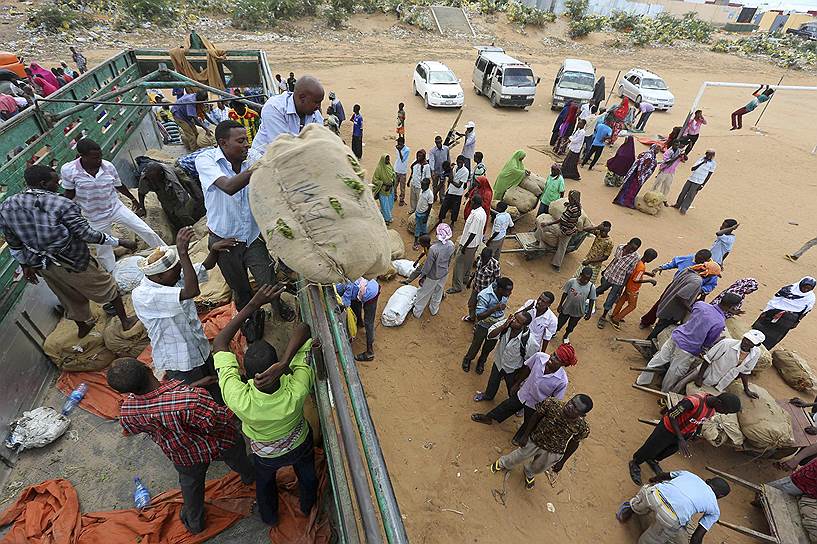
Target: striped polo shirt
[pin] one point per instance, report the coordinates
(96, 195)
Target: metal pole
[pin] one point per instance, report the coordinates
(149, 85)
(389, 509)
(612, 88)
(766, 105)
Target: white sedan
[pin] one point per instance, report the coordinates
(437, 85)
(639, 84)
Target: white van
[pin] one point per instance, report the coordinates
(574, 82)
(503, 79)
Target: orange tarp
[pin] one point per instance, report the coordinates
(105, 402)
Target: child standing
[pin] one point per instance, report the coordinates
(401, 120)
(724, 241)
(630, 295)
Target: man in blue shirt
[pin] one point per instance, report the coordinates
(724, 241)
(675, 498)
(288, 113)
(491, 303)
(361, 296)
(600, 138)
(185, 114)
(357, 132)
(224, 174)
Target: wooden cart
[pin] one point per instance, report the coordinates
(531, 248)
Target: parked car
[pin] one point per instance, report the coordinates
(438, 85)
(806, 30)
(639, 84)
(575, 82)
(503, 79)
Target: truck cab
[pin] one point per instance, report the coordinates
(503, 79)
(574, 82)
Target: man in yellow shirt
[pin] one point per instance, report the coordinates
(270, 405)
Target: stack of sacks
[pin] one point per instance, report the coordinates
(650, 202)
(309, 197)
(549, 236)
(73, 354)
(525, 196)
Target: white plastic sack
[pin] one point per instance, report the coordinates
(398, 306)
(404, 267)
(127, 275)
(36, 429)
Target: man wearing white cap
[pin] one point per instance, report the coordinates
(469, 146)
(164, 304)
(729, 359)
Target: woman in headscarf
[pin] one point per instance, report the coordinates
(38, 70)
(741, 287)
(554, 134)
(511, 174)
(674, 135)
(615, 119)
(673, 157)
(382, 185)
(639, 173)
(620, 163)
(785, 311)
(482, 187)
(566, 129)
(598, 92)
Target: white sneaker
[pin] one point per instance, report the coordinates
(566, 340)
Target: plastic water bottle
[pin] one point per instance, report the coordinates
(141, 495)
(73, 399)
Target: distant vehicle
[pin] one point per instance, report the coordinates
(639, 84)
(503, 79)
(575, 82)
(437, 85)
(806, 30)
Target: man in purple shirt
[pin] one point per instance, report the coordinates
(541, 377)
(689, 342)
(186, 116)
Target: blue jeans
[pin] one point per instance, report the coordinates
(421, 226)
(612, 296)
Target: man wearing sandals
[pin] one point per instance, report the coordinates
(549, 438)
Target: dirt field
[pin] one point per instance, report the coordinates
(421, 399)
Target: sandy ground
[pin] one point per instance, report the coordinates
(419, 396)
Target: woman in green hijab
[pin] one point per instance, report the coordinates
(511, 174)
(382, 186)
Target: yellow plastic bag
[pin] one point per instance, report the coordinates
(351, 320)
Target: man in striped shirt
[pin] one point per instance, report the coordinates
(247, 117)
(93, 183)
(616, 274)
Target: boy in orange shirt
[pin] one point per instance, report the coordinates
(630, 296)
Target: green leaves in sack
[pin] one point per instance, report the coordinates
(336, 205)
(283, 229)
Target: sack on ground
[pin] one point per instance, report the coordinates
(404, 267)
(398, 306)
(763, 422)
(398, 248)
(37, 428)
(200, 228)
(808, 516)
(521, 199)
(129, 343)
(127, 275)
(74, 354)
(794, 370)
(720, 429)
(736, 328)
(650, 202)
(411, 224)
(308, 195)
(534, 183)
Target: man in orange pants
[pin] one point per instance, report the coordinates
(630, 295)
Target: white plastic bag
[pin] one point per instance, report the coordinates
(404, 267)
(36, 429)
(398, 306)
(127, 275)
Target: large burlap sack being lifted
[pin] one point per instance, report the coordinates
(763, 422)
(794, 370)
(534, 183)
(521, 199)
(318, 215)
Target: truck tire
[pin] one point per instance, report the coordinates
(428, 106)
(477, 91)
(494, 100)
(621, 91)
(414, 86)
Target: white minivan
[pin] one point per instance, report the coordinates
(503, 79)
(575, 82)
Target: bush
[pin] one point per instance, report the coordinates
(787, 50)
(576, 9)
(255, 14)
(623, 21)
(56, 18)
(337, 12)
(159, 12)
(584, 26)
(525, 15)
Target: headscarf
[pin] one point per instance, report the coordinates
(566, 354)
(511, 174)
(584, 113)
(162, 259)
(482, 187)
(707, 269)
(383, 176)
(566, 128)
(621, 111)
(624, 158)
(45, 87)
(38, 70)
(444, 233)
(791, 299)
(561, 117)
(599, 91)
(741, 287)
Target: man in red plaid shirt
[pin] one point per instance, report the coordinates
(187, 424)
(487, 273)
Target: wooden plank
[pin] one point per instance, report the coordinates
(652, 422)
(750, 532)
(785, 516)
(800, 420)
(733, 478)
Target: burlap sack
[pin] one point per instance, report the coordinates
(557, 208)
(398, 248)
(522, 199)
(534, 183)
(763, 422)
(73, 354)
(736, 328)
(650, 202)
(411, 224)
(794, 370)
(512, 210)
(200, 228)
(720, 429)
(204, 139)
(549, 235)
(160, 155)
(308, 195)
(808, 516)
(129, 343)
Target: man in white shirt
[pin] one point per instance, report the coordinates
(502, 222)
(401, 167)
(453, 193)
(543, 321)
(164, 303)
(516, 345)
(469, 146)
(288, 113)
(702, 170)
(224, 175)
(438, 155)
(93, 183)
(469, 242)
(729, 359)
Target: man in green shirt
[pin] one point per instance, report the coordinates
(554, 188)
(270, 405)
